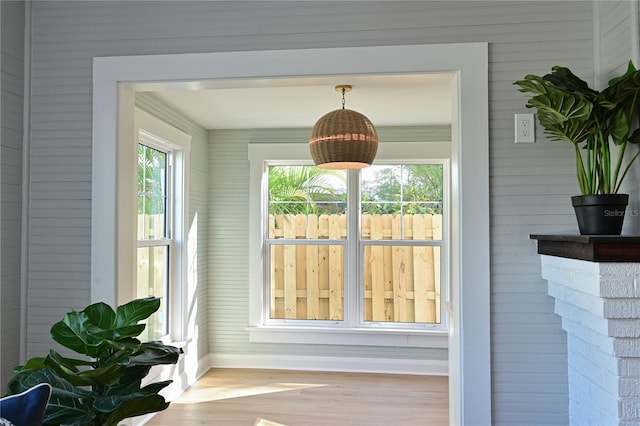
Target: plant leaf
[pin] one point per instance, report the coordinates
(136, 407)
(563, 79)
(67, 404)
(116, 333)
(32, 364)
(135, 373)
(101, 315)
(619, 128)
(136, 310)
(106, 404)
(152, 353)
(533, 84)
(635, 136)
(71, 333)
(107, 375)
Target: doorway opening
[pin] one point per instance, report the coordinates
(117, 79)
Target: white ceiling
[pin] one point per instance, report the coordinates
(387, 100)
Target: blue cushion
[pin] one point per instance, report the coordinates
(26, 408)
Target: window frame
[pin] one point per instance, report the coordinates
(352, 330)
(166, 138)
(155, 142)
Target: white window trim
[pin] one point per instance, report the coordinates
(180, 144)
(264, 330)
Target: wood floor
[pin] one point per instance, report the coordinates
(232, 397)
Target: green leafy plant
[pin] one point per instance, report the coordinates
(304, 189)
(593, 121)
(105, 386)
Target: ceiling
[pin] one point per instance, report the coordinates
(387, 100)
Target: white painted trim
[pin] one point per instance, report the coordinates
(320, 363)
(350, 336)
(634, 25)
(104, 207)
(470, 320)
(26, 185)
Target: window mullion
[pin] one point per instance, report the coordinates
(353, 304)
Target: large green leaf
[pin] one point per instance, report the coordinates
(71, 332)
(560, 107)
(107, 375)
(136, 407)
(101, 315)
(114, 334)
(55, 359)
(109, 403)
(629, 75)
(33, 364)
(130, 380)
(619, 128)
(66, 369)
(152, 353)
(533, 84)
(67, 405)
(563, 79)
(136, 310)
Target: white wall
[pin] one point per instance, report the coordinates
(529, 184)
(11, 88)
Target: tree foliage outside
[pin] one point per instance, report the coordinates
(404, 189)
(306, 190)
(152, 169)
(397, 189)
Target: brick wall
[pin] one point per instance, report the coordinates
(600, 308)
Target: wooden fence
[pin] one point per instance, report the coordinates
(401, 283)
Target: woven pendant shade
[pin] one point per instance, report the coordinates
(343, 139)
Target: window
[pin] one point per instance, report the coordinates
(154, 229)
(161, 204)
(359, 251)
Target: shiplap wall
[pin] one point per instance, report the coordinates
(529, 184)
(198, 208)
(11, 88)
(615, 29)
(615, 48)
(228, 261)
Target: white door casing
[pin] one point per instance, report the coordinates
(115, 80)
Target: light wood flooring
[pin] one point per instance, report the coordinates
(245, 397)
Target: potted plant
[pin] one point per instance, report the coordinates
(104, 386)
(599, 125)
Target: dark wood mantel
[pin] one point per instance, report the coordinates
(594, 248)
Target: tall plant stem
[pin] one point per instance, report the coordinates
(583, 180)
(626, 169)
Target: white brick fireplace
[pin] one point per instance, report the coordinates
(599, 302)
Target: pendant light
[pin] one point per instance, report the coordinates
(343, 139)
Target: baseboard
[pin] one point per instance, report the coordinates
(323, 363)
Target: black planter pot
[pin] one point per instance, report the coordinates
(601, 214)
